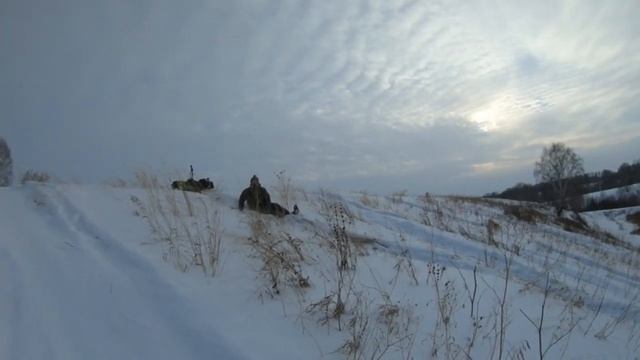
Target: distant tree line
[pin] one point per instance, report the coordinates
(627, 174)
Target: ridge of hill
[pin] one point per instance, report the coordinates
(616, 184)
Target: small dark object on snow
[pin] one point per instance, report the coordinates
(192, 185)
(278, 210)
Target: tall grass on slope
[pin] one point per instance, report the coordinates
(187, 225)
(338, 218)
(281, 255)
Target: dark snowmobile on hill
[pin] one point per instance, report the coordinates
(193, 185)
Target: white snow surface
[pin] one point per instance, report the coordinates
(615, 222)
(85, 276)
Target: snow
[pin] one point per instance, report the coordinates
(85, 277)
(615, 222)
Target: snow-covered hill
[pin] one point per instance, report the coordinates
(616, 193)
(617, 198)
(92, 272)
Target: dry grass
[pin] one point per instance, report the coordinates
(579, 226)
(190, 233)
(369, 200)
(526, 213)
(281, 256)
(493, 228)
(339, 219)
(404, 264)
(362, 243)
(634, 218)
(285, 189)
(333, 306)
(35, 176)
(474, 200)
(374, 338)
(433, 212)
(397, 197)
(443, 340)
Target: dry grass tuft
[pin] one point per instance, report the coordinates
(525, 213)
(281, 255)
(190, 233)
(285, 189)
(35, 176)
(492, 230)
(369, 200)
(634, 218)
(397, 197)
(362, 243)
(578, 225)
(459, 199)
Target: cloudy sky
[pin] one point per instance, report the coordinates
(383, 95)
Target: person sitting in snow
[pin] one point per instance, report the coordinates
(256, 196)
(258, 199)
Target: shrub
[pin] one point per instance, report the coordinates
(35, 176)
(398, 196)
(524, 213)
(285, 189)
(282, 256)
(190, 231)
(634, 218)
(369, 200)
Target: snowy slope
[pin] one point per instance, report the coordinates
(615, 222)
(80, 284)
(109, 273)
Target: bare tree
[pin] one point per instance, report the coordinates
(6, 164)
(557, 165)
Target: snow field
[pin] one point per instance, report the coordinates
(98, 272)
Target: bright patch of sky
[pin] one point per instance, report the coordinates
(439, 96)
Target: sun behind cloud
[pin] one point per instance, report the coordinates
(485, 119)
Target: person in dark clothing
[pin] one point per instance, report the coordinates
(256, 196)
(258, 199)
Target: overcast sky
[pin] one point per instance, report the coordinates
(438, 96)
